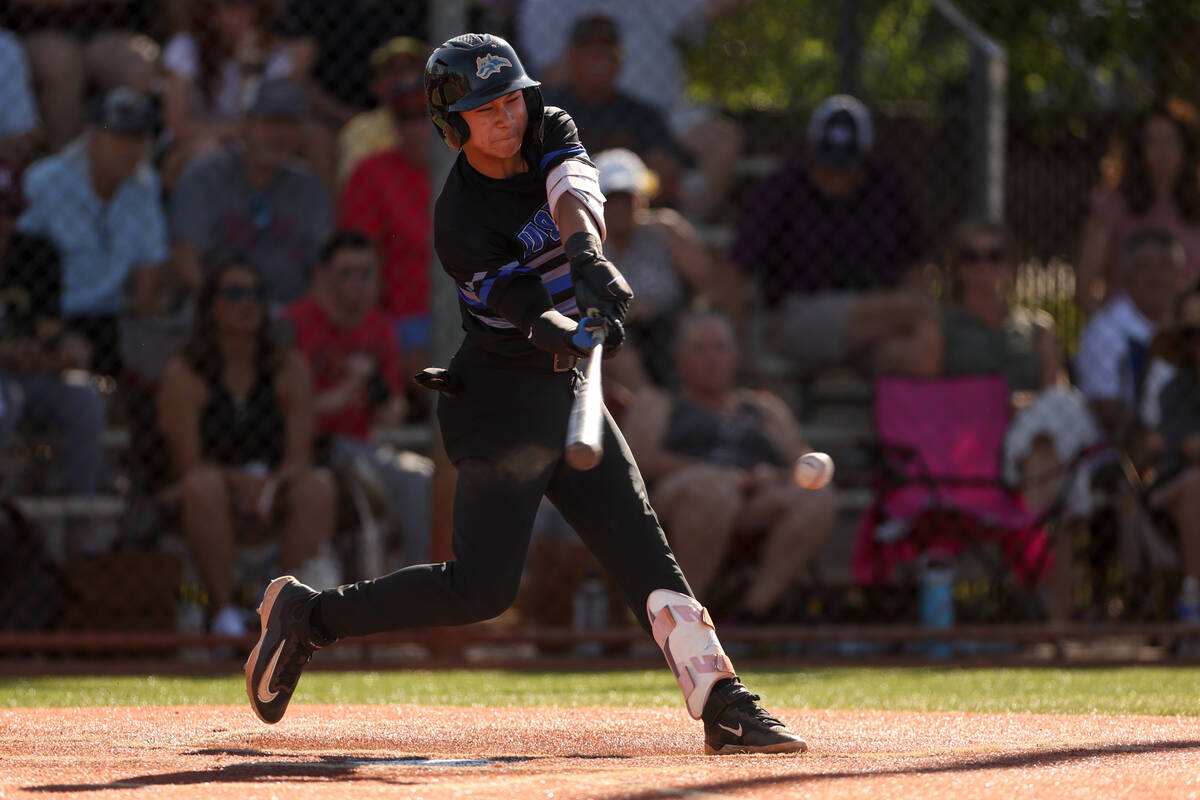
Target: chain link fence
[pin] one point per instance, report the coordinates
(953, 245)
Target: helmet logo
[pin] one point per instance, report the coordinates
(490, 64)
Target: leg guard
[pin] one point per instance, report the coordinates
(685, 632)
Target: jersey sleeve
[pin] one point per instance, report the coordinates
(560, 141)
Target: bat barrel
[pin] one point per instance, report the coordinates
(585, 427)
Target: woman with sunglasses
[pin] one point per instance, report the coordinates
(236, 412)
(985, 332)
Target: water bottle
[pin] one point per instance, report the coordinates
(937, 599)
(590, 612)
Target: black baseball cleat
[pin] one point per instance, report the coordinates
(734, 722)
(285, 645)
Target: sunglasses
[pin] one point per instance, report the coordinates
(991, 255)
(238, 294)
(363, 275)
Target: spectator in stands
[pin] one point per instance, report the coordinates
(397, 66)
(662, 258)
(98, 201)
(608, 117)
(352, 353)
(20, 127)
(1114, 348)
(212, 68)
(237, 414)
(330, 43)
(388, 198)
(835, 247)
(652, 70)
(719, 460)
(36, 395)
(1176, 487)
(74, 45)
(1154, 184)
(254, 197)
(986, 333)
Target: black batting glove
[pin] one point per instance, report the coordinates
(599, 285)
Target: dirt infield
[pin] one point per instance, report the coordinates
(423, 752)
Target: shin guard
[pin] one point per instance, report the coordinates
(685, 632)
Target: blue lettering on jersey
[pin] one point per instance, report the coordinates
(538, 232)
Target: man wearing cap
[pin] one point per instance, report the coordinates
(397, 67)
(98, 201)
(255, 198)
(833, 244)
(33, 352)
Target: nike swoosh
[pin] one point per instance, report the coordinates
(735, 731)
(264, 692)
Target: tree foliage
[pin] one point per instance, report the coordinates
(1069, 60)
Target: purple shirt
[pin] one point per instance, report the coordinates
(795, 240)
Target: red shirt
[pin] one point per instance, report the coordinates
(388, 199)
(326, 349)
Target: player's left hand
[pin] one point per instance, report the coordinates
(599, 285)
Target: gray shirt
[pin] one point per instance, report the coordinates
(278, 229)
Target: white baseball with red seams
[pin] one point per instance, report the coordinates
(813, 470)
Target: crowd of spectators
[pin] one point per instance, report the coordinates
(261, 169)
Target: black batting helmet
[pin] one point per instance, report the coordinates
(470, 70)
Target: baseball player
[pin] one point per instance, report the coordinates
(519, 225)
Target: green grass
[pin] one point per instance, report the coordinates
(1137, 690)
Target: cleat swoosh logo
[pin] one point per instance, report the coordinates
(263, 691)
(735, 731)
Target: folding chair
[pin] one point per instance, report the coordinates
(939, 486)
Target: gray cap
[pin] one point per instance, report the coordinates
(840, 132)
(127, 111)
(279, 98)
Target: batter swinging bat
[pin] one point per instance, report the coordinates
(585, 426)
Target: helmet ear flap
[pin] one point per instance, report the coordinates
(460, 127)
(452, 128)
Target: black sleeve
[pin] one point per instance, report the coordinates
(560, 140)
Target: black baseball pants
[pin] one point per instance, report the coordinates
(505, 433)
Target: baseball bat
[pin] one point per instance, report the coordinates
(585, 426)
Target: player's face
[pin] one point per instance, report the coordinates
(354, 279)
(707, 356)
(497, 128)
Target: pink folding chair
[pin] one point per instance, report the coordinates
(939, 485)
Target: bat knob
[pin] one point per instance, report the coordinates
(583, 456)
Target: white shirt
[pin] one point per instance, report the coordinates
(1103, 366)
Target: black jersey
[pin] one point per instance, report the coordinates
(488, 231)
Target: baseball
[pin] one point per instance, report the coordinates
(813, 470)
